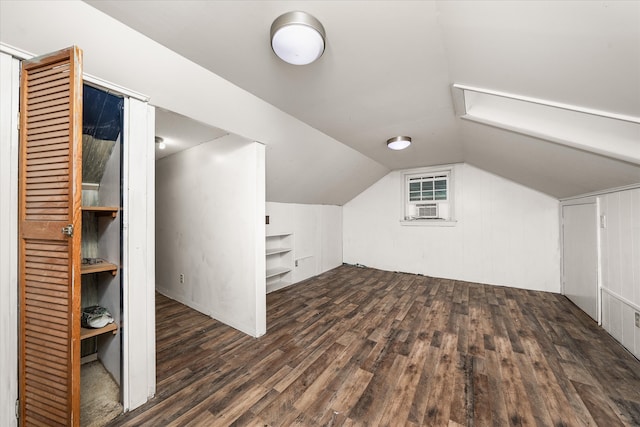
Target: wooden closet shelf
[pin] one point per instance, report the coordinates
(102, 210)
(99, 268)
(90, 332)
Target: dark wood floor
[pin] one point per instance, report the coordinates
(360, 346)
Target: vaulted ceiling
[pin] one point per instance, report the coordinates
(389, 65)
(387, 70)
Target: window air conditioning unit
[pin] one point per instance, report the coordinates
(427, 210)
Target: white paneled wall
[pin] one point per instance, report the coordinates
(317, 233)
(9, 83)
(506, 234)
(210, 228)
(620, 266)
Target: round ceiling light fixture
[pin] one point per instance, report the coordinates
(297, 38)
(399, 142)
(160, 143)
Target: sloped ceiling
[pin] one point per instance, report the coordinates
(387, 70)
(383, 73)
(581, 53)
(180, 132)
(389, 65)
(304, 165)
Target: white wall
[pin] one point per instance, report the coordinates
(620, 266)
(210, 227)
(317, 235)
(8, 239)
(138, 254)
(506, 234)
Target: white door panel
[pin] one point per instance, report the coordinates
(580, 256)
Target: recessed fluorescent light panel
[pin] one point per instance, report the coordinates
(609, 134)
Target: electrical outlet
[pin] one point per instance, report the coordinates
(181, 277)
(637, 320)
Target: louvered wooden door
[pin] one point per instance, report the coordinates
(50, 200)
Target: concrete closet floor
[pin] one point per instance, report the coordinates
(100, 396)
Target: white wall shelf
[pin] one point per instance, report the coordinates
(317, 232)
(277, 271)
(279, 260)
(274, 251)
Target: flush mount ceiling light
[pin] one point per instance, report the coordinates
(297, 38)
(399, 142)
(160, 143)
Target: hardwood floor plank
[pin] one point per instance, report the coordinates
(420, 402)
(481, 410)
(554, 398)
(225, 413)
(380, 364)
(299, 369)
(534, 392)
(601, 414)
(462, 390)
(497, 400)
(385, 397)
(351, 390)
(441, 383)
(519, 407)
(325, 385)
(364, 347)
(304, 379)
(406, 387)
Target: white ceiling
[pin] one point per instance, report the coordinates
(180, 132)
(388, 68)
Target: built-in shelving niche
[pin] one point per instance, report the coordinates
(279, 260)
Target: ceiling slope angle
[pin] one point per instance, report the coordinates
(558, 149)
(554, 169)
(180, 133)
(383, 71)
(557, 94)
(377, 79)
(605, 133)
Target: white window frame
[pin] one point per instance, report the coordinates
(445, 207)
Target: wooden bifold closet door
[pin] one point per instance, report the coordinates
(49, 202)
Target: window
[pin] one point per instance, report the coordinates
(427, 188)
(427, 195)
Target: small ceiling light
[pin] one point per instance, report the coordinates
(399, 142)
(160, 143)
(297, 38)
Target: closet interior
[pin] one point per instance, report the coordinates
(101, 343)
